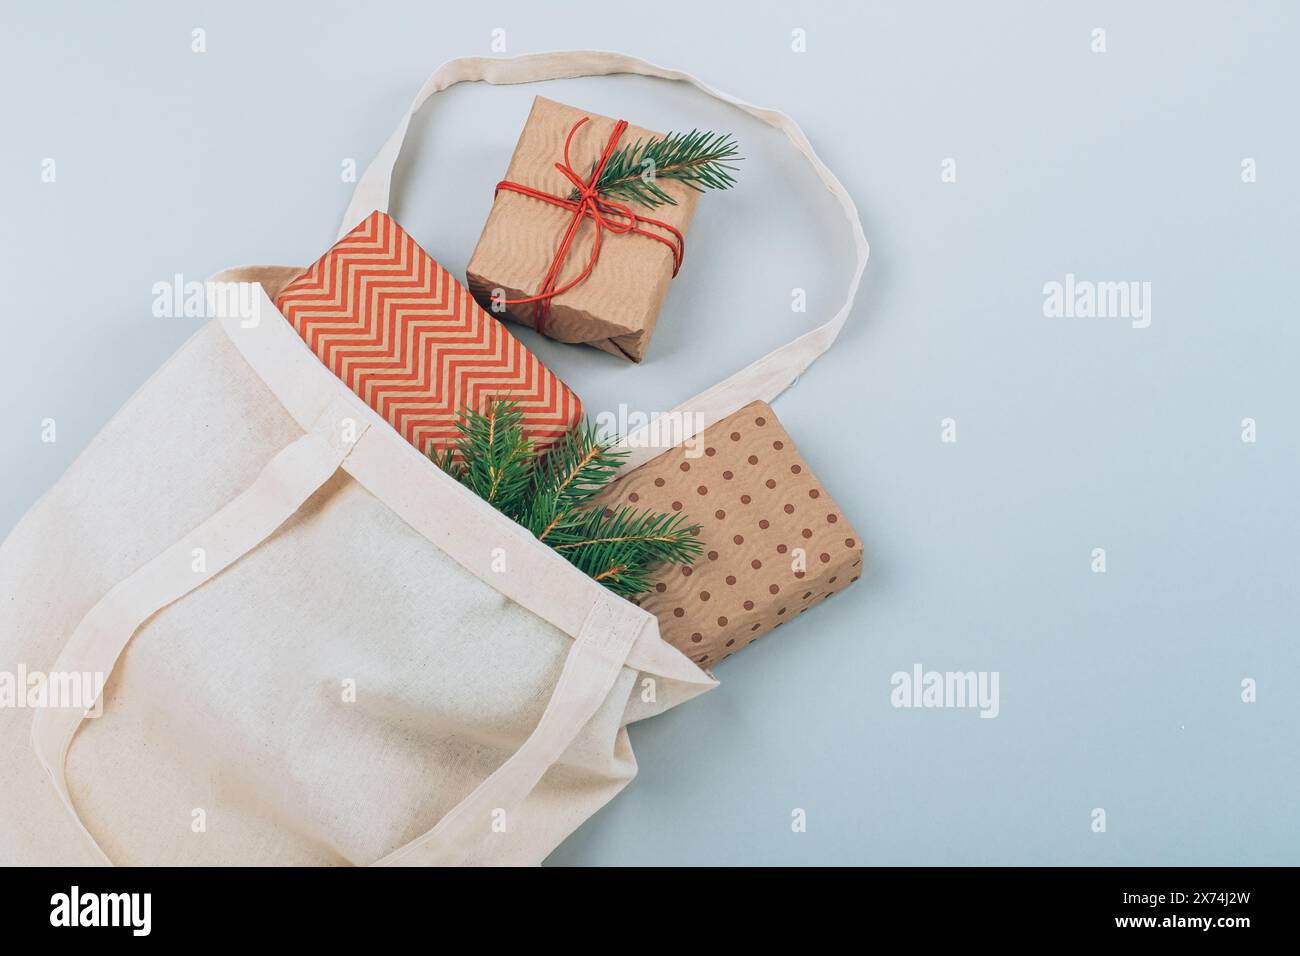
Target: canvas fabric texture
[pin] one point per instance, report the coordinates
(323, 700)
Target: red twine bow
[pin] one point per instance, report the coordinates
(617, 217)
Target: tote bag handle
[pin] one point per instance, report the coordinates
(591, 668)
(762, 380)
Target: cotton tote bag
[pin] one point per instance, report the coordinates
(314, 647)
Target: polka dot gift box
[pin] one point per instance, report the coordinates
(775, 543)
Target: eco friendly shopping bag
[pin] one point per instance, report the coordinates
(319, 648)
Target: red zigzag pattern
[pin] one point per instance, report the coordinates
(413, 344)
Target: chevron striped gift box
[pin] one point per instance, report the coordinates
(412, 343)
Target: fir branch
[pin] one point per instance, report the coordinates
(609, 573)
(492, 457)
(621, 547)
(576, 467)
(551, 495)
(699, 159)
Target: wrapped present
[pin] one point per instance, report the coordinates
(411, 342)
(578, 268)
(775, 543)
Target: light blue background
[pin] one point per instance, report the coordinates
(1119, 691)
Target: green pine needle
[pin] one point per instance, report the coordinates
(618, 547)
(492, 457)
(550, 495)
(700, 159)
(571, 472)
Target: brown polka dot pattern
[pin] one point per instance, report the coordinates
(775, 543)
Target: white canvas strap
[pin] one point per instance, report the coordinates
(763, 379)
(287, 481)
(605, 640)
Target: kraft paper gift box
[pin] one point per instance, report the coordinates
(410, 341)
(615, 308)
(775, 542)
